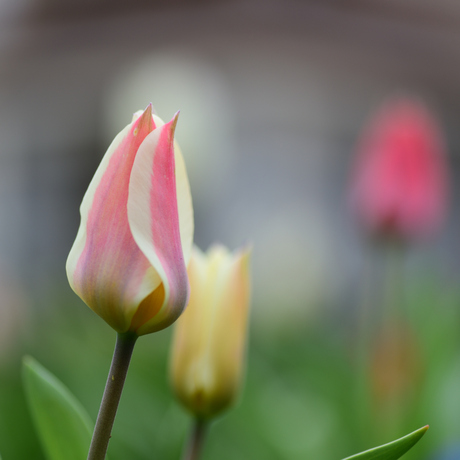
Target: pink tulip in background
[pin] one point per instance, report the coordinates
(399, 181)
(128, 262)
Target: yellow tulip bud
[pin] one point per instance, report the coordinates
(209, 338)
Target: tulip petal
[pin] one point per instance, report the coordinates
(228, 332)
(157, 232)
(184, 199)
(105, 267)
(209, 338)
(400, 179)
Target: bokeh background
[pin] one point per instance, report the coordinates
(273, 95)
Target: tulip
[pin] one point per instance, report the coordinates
(128, 262)
(399, 181)
(209, 338)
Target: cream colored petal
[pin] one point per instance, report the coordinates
(209, 338)
(154, 221)
(105, 267)
(184, 199)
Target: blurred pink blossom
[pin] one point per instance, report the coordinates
(399, 181)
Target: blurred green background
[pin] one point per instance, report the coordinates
(273, 96)
(300, 397)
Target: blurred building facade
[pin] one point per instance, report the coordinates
(272, 96)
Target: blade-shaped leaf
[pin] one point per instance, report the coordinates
(392, 450)
(63, 426)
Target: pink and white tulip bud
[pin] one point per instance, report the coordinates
(400, 179)
(207, 359)
(128, 262)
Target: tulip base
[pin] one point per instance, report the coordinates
(120, 362)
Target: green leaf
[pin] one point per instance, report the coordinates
(63, 426)
(392, 450)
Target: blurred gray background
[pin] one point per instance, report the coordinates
(272, 94)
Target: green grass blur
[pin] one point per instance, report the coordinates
(299, 401)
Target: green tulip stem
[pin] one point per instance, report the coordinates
(394, 284)
(196, 440)
(364, 331)
(120, 362)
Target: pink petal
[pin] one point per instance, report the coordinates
(105, 266)
(154, 221)
(400, 180)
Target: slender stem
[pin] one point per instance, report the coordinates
(364, 332)
(394, 284)
(196, 440)
(394, 407)
(112, 393)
